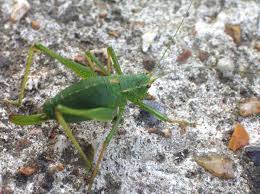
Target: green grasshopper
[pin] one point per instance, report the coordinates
(95, 97)
(100, 98)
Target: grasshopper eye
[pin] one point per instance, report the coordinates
(148, 86)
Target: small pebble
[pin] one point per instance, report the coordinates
(183, 56)
(148, 63)
(203, 56)
(257, 46)
(250, 107)
(167, 133)
(239, 138)
(61, 143)
(20, 8)
(56, 168)
(148, 38)
(59, 167)
(22, 144)
(121, 131)
(217, 164)
(6, 190)
(53, 133)
(234, 31)
(226, 66)
(28, 170)
(103, 15)
(253, 152)
(152, 130)
(113, 33)
(35, 25)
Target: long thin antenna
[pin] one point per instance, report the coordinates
(168, 46)
(172, 41)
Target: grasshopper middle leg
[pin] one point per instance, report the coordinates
(99, 114)
(105, 144)
(71, 137)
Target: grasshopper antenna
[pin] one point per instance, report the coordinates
(168, 46)
(171, 42)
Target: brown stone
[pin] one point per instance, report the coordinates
(167, 133)
(28, 170)
(203, 56)
(234, 31)
(152, 130)
(239, 138)
(183, 57)
(59, 167)
(35, 25)
(257, 46)
(250, 107)
(217, 164)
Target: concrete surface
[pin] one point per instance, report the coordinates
(136, 161)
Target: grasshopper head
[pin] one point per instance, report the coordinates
(135, 87)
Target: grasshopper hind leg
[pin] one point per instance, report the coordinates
(18, 102)
(78, 69)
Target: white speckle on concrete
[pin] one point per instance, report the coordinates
(61, 143)
(205, 29)
(29, 188)
(20, 8)
(148, 39)
(33, 82)
(226, 66)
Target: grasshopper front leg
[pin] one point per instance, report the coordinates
(162, 117)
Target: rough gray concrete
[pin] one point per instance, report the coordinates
(136, 161)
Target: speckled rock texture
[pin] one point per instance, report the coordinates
(206, 88)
